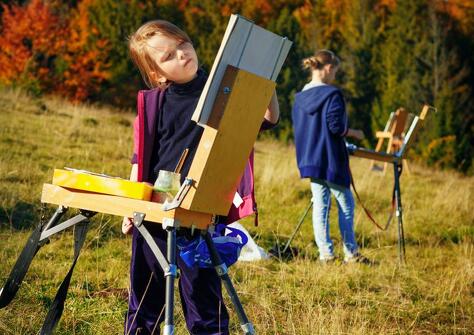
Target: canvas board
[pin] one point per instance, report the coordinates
(248, 47)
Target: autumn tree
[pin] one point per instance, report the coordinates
(361, 35)
(394, 53)
(401, 52)
(84, 60)
(205, 24)
(32, 37)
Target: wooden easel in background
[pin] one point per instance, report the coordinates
(396, 159)
(394, 134)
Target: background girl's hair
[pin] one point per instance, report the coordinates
(321, 58)
(140, 51)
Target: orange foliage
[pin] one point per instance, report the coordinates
(461, 11)
(31, 38)
(182, 4)
(86, 61)
(40, 50)
(264, 7)
(259, 11)
(304, 14)
(388, 3)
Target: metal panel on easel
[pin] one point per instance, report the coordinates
(247, 47)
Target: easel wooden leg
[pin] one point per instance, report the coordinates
(399, 212)
(222, 271)
(405, 167)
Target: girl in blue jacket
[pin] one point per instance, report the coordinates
(320, 125)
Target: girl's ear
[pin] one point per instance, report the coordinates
(157, 77)
(328, 68)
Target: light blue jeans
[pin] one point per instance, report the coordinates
(321, 191)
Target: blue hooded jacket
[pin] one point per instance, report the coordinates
(320, 124)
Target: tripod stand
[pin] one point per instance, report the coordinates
(286, 252)
(396, 160)
(80, 222)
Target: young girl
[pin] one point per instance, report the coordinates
(168, 63)
(320, 125)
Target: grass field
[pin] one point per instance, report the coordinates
(432, 294)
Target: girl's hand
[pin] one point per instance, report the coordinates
(127, 226)
(273, 110)
(359, 134)
(355, 133)
(127, 223)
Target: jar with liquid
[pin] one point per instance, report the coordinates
(166, 186)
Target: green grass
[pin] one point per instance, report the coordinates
(433, 293)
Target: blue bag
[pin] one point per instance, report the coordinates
(195, 252)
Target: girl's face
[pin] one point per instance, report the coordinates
(330, 73)
(177, 60)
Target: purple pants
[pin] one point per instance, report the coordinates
(199, 289)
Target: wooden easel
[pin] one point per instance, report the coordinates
(208, 191)
(396, 159)
(393, 134)
(231, 109)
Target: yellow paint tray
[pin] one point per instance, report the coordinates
(99, 183)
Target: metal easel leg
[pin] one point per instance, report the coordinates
(298, 226)
(56, 217)
(8, 292)
(167, 264)
(170, 275)
(38, 238)
(222, 271)
(56, 228)
(399, 212)
(81, 225)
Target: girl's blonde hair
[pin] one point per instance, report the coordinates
(140, 51)
(320, 59)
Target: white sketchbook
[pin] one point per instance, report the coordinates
(247, 47)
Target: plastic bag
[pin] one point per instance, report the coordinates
(228, 241)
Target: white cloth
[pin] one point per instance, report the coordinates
(313, 83)
(251, 251)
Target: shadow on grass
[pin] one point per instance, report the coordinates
(26, 216)
(304, 194)
(279, 252)
(22, 215)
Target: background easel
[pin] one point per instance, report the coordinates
(396, 159)
(393, 134)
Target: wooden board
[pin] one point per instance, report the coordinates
(224, 148)
(245, 46)
(374, 155)
(109, 204)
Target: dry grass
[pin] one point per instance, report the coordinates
(433, 293)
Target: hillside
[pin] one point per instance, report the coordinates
(433, 293)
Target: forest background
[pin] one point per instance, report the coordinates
(394, 53)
